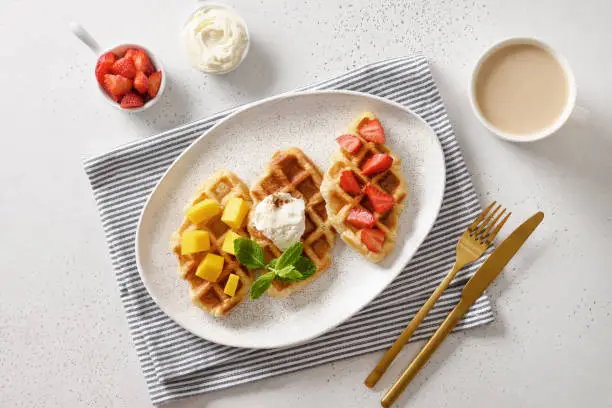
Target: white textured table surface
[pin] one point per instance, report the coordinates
(64, 340)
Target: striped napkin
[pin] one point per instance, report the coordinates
(177, 364)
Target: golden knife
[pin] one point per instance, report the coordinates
(471, 292)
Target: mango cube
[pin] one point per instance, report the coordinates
(203, 211)
(231, 285)
(194, 241)
(210, 268)
(235, 211)
(228, 242)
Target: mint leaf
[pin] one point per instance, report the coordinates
(288, 274)
(292, 276)
(281, 272)
(305, 267)
(249, 253)
(290, 256)
(291, 266)
(261, 284)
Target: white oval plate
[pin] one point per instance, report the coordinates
(243, 143)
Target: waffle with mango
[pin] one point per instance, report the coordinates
(204, 244)
(365, 190)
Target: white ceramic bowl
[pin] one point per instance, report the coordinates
(570, 103)
(88, 40)
(207, 4)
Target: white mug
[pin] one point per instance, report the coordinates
(541, 134)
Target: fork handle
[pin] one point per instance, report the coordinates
(421, 359)
(401, 341)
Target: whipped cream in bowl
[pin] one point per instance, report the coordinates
(216, 39)
(281, 218)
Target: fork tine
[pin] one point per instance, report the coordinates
(490, 237)
(483, 214)
(491, 223)
(486, 223)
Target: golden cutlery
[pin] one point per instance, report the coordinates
(472, 244)
(471, 292)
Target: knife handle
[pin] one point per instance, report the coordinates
(418, 318)
(421, 359)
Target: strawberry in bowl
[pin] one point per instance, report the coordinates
(129, 77)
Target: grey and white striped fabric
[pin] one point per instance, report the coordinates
(177, 364)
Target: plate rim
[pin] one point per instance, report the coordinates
(221, 122)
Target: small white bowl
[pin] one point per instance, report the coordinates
(88, 40)
(571, 97)
(208, 4)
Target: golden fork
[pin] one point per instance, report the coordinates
(472, 244)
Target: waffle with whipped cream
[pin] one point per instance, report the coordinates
(291, 171)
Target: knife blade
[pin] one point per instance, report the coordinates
(500, 257)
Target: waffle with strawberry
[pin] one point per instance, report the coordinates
(365, 190)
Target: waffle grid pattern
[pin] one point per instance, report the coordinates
(340, 203)
(291, 171)
(221, 186)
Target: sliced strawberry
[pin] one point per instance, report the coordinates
(373, 239)
(132, 100)
(154, 83)
(349, 183)
(377, 164)
(141, 83)
(350, 143)
(124, 67)
(361, 218)
(381, 201)
(116, 85)
(371, 130)
(142, 62)
(104, 66)
(116, 98)
(130, 52)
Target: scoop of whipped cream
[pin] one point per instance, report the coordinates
(281, 218)
(215, 39)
